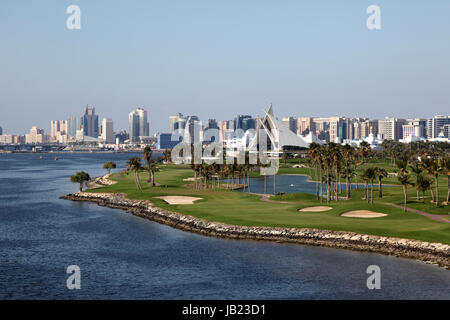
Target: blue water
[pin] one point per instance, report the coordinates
(123, 256)
(288, 184)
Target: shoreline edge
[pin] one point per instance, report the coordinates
(432, 253)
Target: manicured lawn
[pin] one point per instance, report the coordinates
(235, 207)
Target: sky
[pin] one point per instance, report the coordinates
(217, 59)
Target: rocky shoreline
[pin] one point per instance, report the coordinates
(435, 253)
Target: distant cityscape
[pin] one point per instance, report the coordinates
(87, 132)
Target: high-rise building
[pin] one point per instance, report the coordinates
(177, 122)
(226, 129)
(211, 131)
(391, 128)
(89, 122)
(305, 125)
(242, 123)
(1, 131)
(18, 139)
(211, 124)
(414, 127)
(107, 131)
(446, 131)
(193, 131)
(73, 126)
(59, 130)
(139, 126)
(321, 124)
(6, 138)
(291, 123)
(239, 122)
(436, 125)
(336, 129)
(368, 127)
(165, 141)
(35, 136)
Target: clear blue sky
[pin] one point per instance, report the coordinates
(219, 58)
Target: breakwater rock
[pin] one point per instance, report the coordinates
(435, 253)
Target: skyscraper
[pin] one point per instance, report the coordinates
(193, 130)
(107, 131)
(36, 135)
(73, 126)
(226, 129)
(391, 128)
(436, 125)
(305, 125)
(177, 122)
(243, 123)
(139, 126)
(59, 130)
(291, 123)
(89, 122)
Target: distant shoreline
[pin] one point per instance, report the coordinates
(434, 253)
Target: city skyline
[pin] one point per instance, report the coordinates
(165, 123)
(219, 60)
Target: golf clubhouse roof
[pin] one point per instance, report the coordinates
(280, 136)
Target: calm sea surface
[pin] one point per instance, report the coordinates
(122, 256)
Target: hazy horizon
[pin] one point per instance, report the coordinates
(220, 59)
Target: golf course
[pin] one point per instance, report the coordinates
(222, 204)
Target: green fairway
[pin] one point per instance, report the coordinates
(239, 208)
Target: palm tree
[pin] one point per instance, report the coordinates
(423, 183)
(348, 173)
(109, 165)
(314, 156)
(335, 155)
(434, 167)
(380, 173)
(134, 164)
(80, 177)
(404, 178)
(417, 168)
(364, 151)
(446, 170)
(151, 165)
(372, 175)
(347, 154)
(368, 175)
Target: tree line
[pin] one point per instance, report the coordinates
(417, 166)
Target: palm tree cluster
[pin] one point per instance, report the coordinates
(209, 175)
(151, 166)
(136, 166)
(423, 161)
(426, 173)
(334, 162)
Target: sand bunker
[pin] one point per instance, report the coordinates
(363, 214)
(179, 199)
(190, 179)
(315, 209)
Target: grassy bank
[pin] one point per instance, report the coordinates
(239, 208)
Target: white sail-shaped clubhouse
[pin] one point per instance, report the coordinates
(280, 136)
